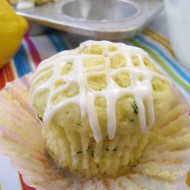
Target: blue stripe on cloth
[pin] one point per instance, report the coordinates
(169, 61)
(60, 39)
(57, 41)
(22, 63)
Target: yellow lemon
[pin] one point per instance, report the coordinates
(12, 30)
(188, 179)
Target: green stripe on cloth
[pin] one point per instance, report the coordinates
(161, 63)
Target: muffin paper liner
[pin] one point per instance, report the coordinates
(164, 164)
(83, 156)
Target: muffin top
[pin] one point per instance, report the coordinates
(102, 86)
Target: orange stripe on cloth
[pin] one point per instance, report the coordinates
(9, 72)
(6, 75)
(160, 39)
(23, 184)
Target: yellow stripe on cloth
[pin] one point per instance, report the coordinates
(160, 39)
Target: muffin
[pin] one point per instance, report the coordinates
(98, 105)
(22, 4)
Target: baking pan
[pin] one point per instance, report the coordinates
(103, 19)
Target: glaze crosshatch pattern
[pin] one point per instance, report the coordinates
(103, 69)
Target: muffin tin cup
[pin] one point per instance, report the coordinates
(100, 19)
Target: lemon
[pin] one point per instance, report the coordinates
(12, 30)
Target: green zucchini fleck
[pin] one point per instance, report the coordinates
(135, 107)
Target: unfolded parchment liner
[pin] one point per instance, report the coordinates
(162, 166)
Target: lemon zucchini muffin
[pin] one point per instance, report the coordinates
(23, 4)
(98, 104)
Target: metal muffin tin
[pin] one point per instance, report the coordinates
(102, 19)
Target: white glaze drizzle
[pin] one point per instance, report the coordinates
(141, 90)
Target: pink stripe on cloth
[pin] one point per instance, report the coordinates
(24, 185)
(33, 50)
(2, 78)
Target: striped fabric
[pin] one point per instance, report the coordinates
(34, 49)
(29, 55)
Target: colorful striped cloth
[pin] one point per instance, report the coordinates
(34, 49)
